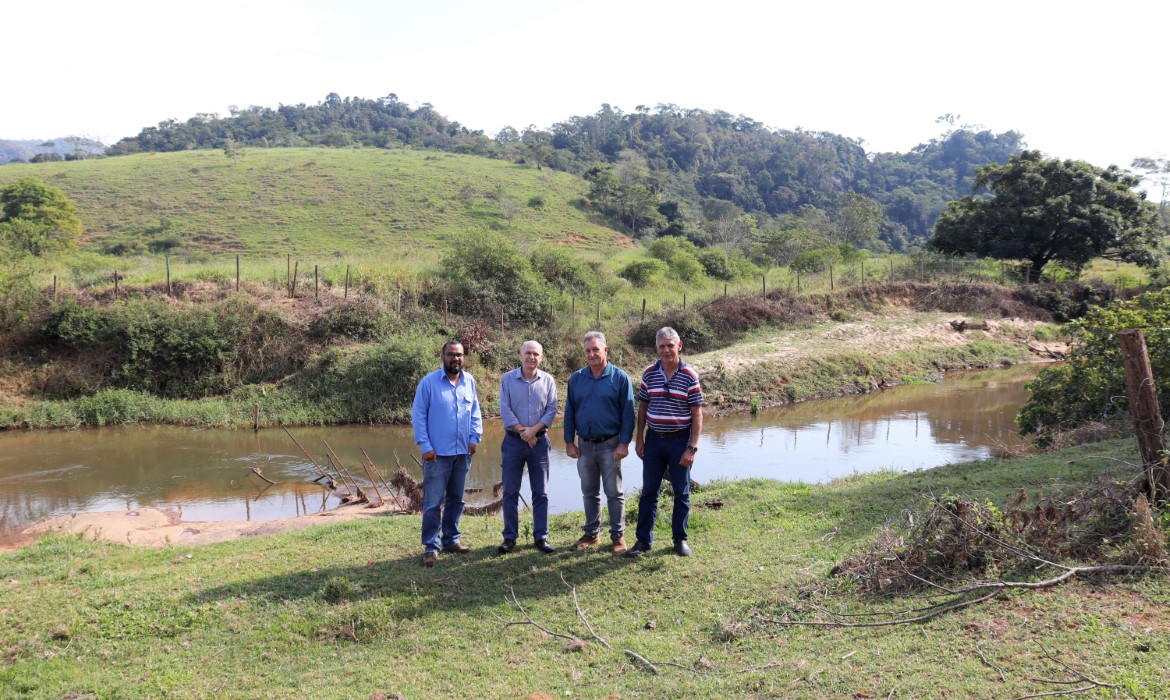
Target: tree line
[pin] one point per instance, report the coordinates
(670, 170)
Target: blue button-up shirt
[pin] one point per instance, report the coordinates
(600, 406)
(446, 416)
(527, 403)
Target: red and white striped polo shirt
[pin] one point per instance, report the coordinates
(669, 403)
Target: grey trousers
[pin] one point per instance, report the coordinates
(598, 469)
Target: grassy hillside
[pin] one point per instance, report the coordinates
(307, 201)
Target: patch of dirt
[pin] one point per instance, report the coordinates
(151, 527)
(893, 330)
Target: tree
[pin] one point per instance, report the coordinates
(1157, 173)
(859, 219)
(1045, 209)
(37, 218)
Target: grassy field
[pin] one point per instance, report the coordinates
(317, 202)
(345, 611)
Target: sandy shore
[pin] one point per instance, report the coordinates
(151, 527)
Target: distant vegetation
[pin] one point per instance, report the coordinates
(675, 170)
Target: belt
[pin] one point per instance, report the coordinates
(540, 434)
(600, 439)
(667, 434)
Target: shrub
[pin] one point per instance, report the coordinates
(643, 273)
(1090, 385)
(486, 273)
(685, 267)
(716, 263)
(565, 271)
(692, 330)
(356, 320)
(147, 345)
(379, 382)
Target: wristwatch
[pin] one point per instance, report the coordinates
(693, 448)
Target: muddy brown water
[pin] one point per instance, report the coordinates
(205, 475)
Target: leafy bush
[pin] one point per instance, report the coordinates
(357, 320)
(717, 263)
(149, 346)
(565, 271)
(692, 329)
(1090, 385)
(643, 273)
(1070, 300)
(486, 273)
(686, 267)
(378, 383)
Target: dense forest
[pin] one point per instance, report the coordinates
(655, 171)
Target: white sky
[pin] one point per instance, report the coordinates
(1078, 80)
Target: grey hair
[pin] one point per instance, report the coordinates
(595, 335)
(668, 333)
(536, 343)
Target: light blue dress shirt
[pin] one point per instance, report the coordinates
(527, 403)
(446, 416)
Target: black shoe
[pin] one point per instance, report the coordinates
(506, 546)
(638, 549)
(681, 548)
(544, 546)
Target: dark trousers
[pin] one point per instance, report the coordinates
(662, 456)
(516, 453)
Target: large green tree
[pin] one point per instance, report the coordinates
(37, 218)
(1045, 209)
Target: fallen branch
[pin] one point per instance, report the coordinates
(361, 496)
(256, 471)
(324, 474)
(1093, 683)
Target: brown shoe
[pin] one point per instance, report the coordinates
(619, 545)
(429, 559)
(457, 548)
(586, 541)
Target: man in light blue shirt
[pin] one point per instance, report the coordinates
(528, 406)
(447, 428)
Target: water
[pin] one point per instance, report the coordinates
(206, 474)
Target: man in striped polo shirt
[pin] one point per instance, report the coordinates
(670, 418)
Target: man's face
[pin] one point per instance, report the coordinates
(453, 358)
(668, 350)
(595, 353)
(530, 356)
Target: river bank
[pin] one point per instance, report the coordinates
(344, 610)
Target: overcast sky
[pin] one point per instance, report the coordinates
(1078, 80)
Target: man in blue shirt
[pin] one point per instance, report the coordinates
(600, 411)
(447, 427)
(528, 406)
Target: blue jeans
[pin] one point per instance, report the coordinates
(443, 482)
(663, 455)
(598, 469)
(516, 453)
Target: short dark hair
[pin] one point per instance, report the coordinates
(449, 343)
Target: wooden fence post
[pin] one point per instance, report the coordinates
(346, 294)
(643, 309)
(724, 290)
(764, 285)
(292, 292)
(115, 284)
(54, 287)
(832, 285)
(1147, 418)
(444, 312)
(684, 301)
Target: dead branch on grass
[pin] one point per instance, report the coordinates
(1093, 683)
(576, 644)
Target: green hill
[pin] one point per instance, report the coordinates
(316, 201)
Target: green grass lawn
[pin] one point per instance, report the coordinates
(345, 611)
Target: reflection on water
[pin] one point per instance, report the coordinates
(206, 474)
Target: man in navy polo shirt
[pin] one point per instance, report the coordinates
(600, 412)
(670, 418)
(528, 406)
(447, 427)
